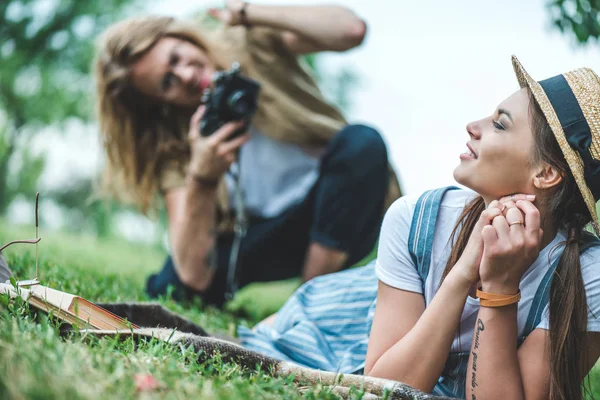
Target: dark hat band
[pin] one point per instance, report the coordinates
(576, 128)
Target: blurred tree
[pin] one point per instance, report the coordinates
(337, 85)
(578, 17)
(46, 47)
(84, 212)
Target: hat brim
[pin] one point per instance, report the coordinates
(573, 158)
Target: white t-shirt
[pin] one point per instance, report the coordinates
(274, 175)
(395, 267)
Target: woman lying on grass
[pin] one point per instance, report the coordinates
(479, 295)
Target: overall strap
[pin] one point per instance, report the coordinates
(542, 294)
(422, 229)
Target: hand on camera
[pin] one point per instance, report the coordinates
(511, 243)
(231, 14)
(211, 156)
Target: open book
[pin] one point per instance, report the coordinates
(69, 308)
(72, 309)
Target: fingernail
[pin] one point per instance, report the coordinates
(531, 197)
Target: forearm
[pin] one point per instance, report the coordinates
(493, 371)
(193, 238)
(330, 27)
(418, 359)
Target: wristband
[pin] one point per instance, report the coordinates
(204, 181)
(496, 300)
(244, 15)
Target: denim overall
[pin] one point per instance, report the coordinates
(453, 379)
(326, 324)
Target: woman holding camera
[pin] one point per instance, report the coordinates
(314, 187)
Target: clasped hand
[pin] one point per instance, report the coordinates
(506, 240)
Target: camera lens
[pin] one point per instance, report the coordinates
(239, 104)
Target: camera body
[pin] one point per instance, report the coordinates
(234, 97)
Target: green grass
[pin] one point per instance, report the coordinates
(132, 263)
(36, 363)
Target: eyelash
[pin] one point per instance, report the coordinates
(498, 125)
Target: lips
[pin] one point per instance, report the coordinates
(471, 152)
(197, 84)
(203, 82)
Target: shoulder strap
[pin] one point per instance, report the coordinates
(422, 229)
(543, 291)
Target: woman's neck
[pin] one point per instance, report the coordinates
(547, 223)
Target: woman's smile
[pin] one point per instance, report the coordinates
(469, 154)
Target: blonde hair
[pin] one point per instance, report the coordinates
(140, 135)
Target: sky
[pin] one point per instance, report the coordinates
(426, 69)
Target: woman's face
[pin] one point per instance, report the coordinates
(497, 161)
(174, 71)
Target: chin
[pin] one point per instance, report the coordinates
(465, 177)
(460, 175)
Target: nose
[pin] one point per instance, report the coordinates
(185, 73)
(474, 129)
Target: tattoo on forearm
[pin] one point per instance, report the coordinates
(210, 259)
(480, 328)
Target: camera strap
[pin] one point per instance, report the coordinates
(240, 229)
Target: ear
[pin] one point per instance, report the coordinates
(547, 177)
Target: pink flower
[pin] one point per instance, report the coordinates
(145, 383)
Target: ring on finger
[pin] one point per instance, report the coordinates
(503, 207)
(519, 222)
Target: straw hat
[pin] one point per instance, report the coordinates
(571, 104)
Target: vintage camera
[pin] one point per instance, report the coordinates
(234, 97)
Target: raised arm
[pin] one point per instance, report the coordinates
(410, 343)
(191, 209)
(306, 29)
(496, 368)
(191, 221)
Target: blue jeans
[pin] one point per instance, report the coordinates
(343, 211)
